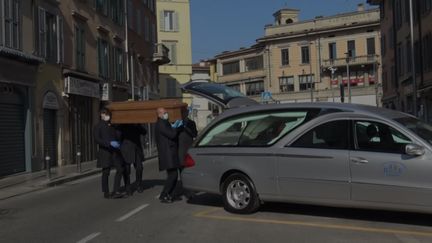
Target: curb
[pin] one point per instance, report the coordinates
(59, 181)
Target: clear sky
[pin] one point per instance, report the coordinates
(226, 25)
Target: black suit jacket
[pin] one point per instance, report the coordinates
(167, 145)
(103, 134)
(131, 143)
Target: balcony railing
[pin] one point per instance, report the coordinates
(160, 54)
(358, 60)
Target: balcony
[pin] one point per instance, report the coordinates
(160, 54)
(358, 60)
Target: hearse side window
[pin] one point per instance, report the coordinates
(330, 135)
(256, 129)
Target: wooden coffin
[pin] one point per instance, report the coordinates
(138, 112)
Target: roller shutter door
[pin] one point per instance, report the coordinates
(12, 128)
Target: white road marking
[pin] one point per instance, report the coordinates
(124, 217)
(89, 237)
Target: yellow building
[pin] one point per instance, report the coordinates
(175, 33)
(295, 55)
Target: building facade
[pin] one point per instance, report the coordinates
(174, 32)
(18, 71)
(397, 51)
(294, 59)
(61, 61)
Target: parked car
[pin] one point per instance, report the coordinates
(314, 153)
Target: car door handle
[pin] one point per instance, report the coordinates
(359, 160)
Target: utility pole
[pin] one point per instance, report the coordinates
(310, 71)
(348, 74)
(126, 42)
(413, 58)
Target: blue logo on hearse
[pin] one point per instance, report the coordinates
(394, 169)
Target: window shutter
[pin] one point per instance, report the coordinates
(161, 21)
(174, 53)
(60, 40)
(176, 21)
(42, 33)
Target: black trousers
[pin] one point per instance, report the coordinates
(138, 173)
(117, 178)
(170, 183)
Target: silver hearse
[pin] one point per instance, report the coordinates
(314, 153)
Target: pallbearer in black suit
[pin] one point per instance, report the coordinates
(107, 137)
(132, 153)
(167, 146)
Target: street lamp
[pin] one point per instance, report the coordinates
(348, 54)
(332, 70)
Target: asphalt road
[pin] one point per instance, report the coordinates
(77, 212)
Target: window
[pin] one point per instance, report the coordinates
(427, 50)
(398, 14)
(370, 46)
(79, 46)
(102, 6)
(130, 12)
(235, 87)
(103, 57)
(10, 20)
(118, 64)
(422, 129)
(332, 51)
(254, 63)
(285, 57)
(351, 49)
(425, 6)
(254, 88)
(139, 27)
(169, 21)
(399, 59)
(50, 38)
(153, 33)
(117, 11)
(171, 88)
(408, 55)
(231, 67)
(378, 137)
(147, 32)
(331, 135)
(258, 129)
(286, 84)
(305, 54)
(172, 54)
(306, 81)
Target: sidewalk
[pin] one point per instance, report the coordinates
(16, 185)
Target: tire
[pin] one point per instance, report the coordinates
(239, 194)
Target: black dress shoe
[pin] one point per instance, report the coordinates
(166, 199)
(106, 195)
(117, 195)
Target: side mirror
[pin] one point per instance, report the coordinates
(414, 150)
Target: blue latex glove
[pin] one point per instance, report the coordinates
(177, 124)
(115, 144)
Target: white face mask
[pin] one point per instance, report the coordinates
(165, 116)
(105, 117)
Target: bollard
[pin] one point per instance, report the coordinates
(78, 155)
(48, 165)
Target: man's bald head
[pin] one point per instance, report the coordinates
(160, 112)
